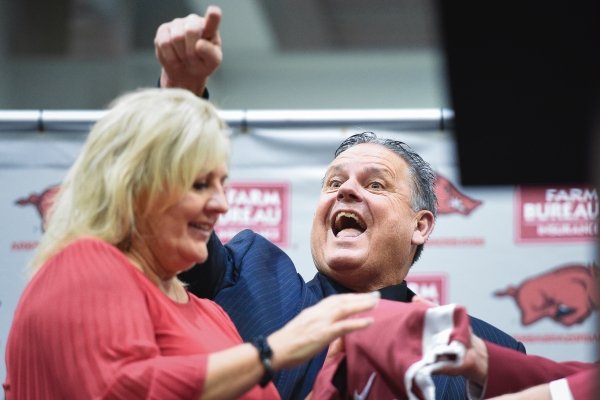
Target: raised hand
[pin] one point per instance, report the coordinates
(189, 50)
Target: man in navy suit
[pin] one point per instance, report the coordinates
(376, 210)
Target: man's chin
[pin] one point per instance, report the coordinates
(343, 263)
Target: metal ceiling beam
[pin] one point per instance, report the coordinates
(430, 119)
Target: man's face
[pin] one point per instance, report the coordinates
(364, 232)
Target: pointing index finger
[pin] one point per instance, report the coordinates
(212, 18)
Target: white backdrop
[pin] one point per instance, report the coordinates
(535, 245)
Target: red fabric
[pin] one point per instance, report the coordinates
(397, 347)
(90, 325)
(584, 385)
(533, 370)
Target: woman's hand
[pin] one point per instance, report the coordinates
(315, 327)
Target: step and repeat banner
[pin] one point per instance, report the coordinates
(521, 258)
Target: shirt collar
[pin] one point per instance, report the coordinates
(399, 292)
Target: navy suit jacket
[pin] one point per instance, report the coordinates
(257, 284)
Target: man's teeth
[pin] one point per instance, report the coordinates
(346, 214)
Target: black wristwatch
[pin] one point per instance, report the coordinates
(265, 354)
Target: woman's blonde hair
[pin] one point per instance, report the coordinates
(144, 153)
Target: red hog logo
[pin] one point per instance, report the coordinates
(41, 202)
(451, 200)
(567, 295)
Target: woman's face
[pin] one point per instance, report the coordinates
(176, 238)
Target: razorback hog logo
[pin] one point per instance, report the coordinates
(41, 201)
(567, 295)
(451, 200)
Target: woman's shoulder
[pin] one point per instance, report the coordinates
(90, 244)
(88, 255)
(87, 247)
(84, 271)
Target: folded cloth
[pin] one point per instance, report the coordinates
(395, 357)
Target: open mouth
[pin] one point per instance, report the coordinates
(347, 224)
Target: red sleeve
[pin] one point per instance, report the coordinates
(584, 385)
(532, 370)
(83, 324)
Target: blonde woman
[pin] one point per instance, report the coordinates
(104, 315)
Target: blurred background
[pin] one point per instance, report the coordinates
(524, 91)
(79, 54)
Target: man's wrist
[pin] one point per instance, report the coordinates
(193, 85)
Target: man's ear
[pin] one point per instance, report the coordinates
(424, 222)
